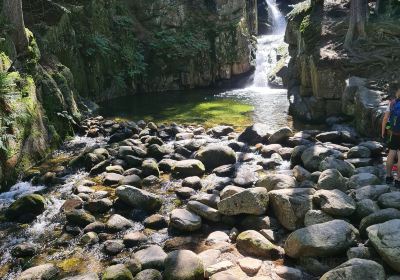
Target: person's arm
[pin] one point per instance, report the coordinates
(384, 122)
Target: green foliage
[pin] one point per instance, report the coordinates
(5, 82)
(98, 44)
(6, 124)
(300, 10)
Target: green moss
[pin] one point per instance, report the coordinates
(71, 265)
(300, 10)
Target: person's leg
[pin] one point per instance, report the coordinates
(389, 165)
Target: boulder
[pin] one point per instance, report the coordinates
(345, 168)
(300, 173)
(385, 238)
(359, 152)
(230, 190)
(313, 217)
(150, 167)
(113, 247)
(131, 180)
(370, 192)
(314, 155)
(257, 133)
(327, 239)
(155, 221)
(276, 182)
(149, 274)
(217, 237)
(217, 267)
(251, 201)
(375, 147)
(280, 135)
(219, 131)
(118, 223)
(46, 271)
(295, 158)
(204, 211)
(193, 182)
(117, 272)
(138, 198)
(356, 269)
(253, 243)
(86, 276)
(334, 202)
(214, 155)
(79, 217)
(378, 217)
(151, 257)
(183, 265)
(26, 208)
(390, 200)
(187, 168)
(268, 150)
(331, 179)
(365, 208)
(132, 239)
(291, 205)
(250, 266)
(362, 179)
(99, 205)
(185, 220)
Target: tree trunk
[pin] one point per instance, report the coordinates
(358, 19)
(12, 11)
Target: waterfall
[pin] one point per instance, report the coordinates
(278, 19)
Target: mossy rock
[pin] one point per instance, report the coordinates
(26, 208)
(117, 272)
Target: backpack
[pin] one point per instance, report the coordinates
(394, 118)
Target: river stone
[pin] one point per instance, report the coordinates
(185, 192)
(368, 169)
(132, 239)
(151, 257)
(113, 247)
(345, 168)
(375, 147)
(79, 217)
(155, 221)
(257, 133)
(363, 252)
(117, 272)
(25, 249)
(87, 276)
(118, 223)
(370, 192)
(291, 205)
(217, 267)
(214, 155)
(251, 201)
(187, 168)
(112, 179)
(26, 208)
(253, 243)
(327, 239)
(217, 237)
(46, 271)
(334, 202)
(295, 157)
(193, 182)
(185, 220)
(115, 169)
(361, 180)
(289, 273)
(204, 211)
(331, 179)
(131, 180)
(99, 205)
(209, 257)
(356, 269)
(210, 199)
(313, 217)
(150, 167)
(390, 200)
(250, 266)
(183, 265)
(365, 208)
(268, 150)
(300, 173)
(96, 227)
(378, 217)
(230, 190)
(359, 152)
(385, 238)
(221, 130)
(276, 182)
(89, 238)
(138, 198)
(314, 155)
(280, 135)
(149, 274)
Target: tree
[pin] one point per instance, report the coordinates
(358, 20)
(12, 11)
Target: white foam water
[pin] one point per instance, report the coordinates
(18, 190)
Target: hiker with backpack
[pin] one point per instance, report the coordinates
(391, 132)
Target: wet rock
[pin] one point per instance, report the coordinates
(133, 171)
(24, 250)
(331, 179)
(185, 192)
(360, 162)
(268, 150)
(280, 135)
(217, 267)
(345, 168)
(133, 239)
(44, 272)
(132, 161)
(276, 182)
(185, 220)
(251, 201)
(117, 272)
(131, 180)
(314, 155)
(227, 170)
(138, 198)
(165, 165)
(151, 257)
(155, 221)
(183, 265)
(356, 269)
(89, 238)
(214, 155)
(184, 136)
(118, 223)
(204, 211)
(83, 189)
(99, 168)
(385, 238)
(149, 274)
(96, 227)
(291, 205)
(187, 168)
(220, 131)
(378, 217)
(301, 174)
(285, 153)
(334, 202)
(79, 217)
(295, 158)
(26, 208)
(158, 152)
(257, 133)
(369, 192)
(115, 169)
(71, 204)
(313, 217)
(193, 182)
(390, 200)
(99, 205)
(253, 243)
(113, 247)
(326, 239)
(134, 266)
(112, 179)
(362, 179)
(87, 276)
(150, 167)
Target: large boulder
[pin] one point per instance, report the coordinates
(253, 243)
(291, 205)
(185, 220)
(257, 133)
(362, 180)
(334, 202)
(188, 168)
(138, 198)
(370, 192)
(26, 208)
(276, 182)
(390, 200)
(251, 201)
(183, 265)
(326, 239)
(314, 155)
(214, 155)
(46, 271)
(356, 269)
(359, 152)
(331, 179)
(86, 276)
(378, 217)
(151, 257)
(280, 135)
(385, 238)
(344, 167)
(204, 211)
(149, 274)
(117, 272)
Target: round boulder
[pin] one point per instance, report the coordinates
(214, 155)
(183, 265)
